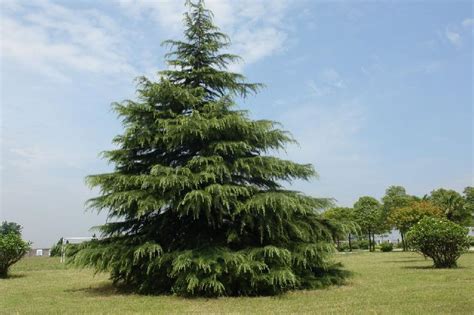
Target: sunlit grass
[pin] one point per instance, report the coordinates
(383, 283)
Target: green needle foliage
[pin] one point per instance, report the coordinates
(195, 205)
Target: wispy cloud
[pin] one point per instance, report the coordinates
(331, 77)
(42, 158)
(255, 27)
(454, 33)
(427, 67)
(54, 40)
(326, 130)
(453, 37)
(326, 82)
(468, 22)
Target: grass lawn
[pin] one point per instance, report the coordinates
(383, 283)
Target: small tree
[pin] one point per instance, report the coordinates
(12, 249)
(405, 217)
(395, 197)
(10, 227)
(469, 204)
(368, 214)
(440, 239)
(343, 222)
(452, 204)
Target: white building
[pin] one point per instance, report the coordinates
(471, 231)
(393, 237)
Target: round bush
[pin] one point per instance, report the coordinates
(440, 239)
(12, 249)
(363, 244)
(386, 247)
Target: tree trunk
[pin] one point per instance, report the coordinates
(370, 242)
(373, 242)
(350, 242)
(403, 241)
(3, 272)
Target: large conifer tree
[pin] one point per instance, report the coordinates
(195, 205)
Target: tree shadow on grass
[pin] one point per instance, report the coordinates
(102, 290)
(418, 267)
(406, 260)
(13, 276)
(431, 267)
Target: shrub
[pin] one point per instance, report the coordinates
(440, 239)
(12, 249)
(343, 247)
(471, 240)
(386, 247)
(56, 249)
(363, 244)
(355, 245)
(71, 249)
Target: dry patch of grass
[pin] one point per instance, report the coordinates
(383, 283)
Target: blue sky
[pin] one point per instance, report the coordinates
(377, 94)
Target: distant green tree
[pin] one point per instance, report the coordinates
(404, 218)
(469, 205)
(10, 227)
(12, 247)
(343, 221)
(395, 197)
(368, 214)
(56, 248)
(452, 204)
(197, 202)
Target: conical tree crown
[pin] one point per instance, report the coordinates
(199, 62)
(196, 205)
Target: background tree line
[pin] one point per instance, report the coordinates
(398, 210)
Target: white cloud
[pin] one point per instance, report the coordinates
(456, 32)
(255, 45)
(316, 89)
(327, 81)
(424, 66)
(255, 27)
(53, 39)
(331, 77)
(325, 130)
(454, 38)
(36, 158)
(468, 22)
(168, 13)
(330, 138)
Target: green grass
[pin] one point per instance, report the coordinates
(383, 283)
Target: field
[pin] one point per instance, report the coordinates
(383, 283)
